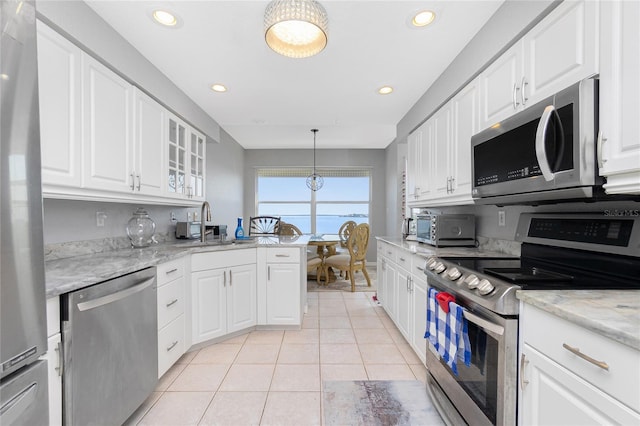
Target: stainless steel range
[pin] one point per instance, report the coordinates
(559, 251)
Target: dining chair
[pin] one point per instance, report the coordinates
(357, 244)
(344, 232)
(289, 229)
(264, 225)
(317, 264)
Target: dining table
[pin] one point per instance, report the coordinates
(326, 246)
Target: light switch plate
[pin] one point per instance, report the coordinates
(502, 219)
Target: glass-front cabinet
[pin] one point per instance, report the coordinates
(186, 161)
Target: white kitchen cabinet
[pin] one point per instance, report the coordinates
(60, 107)
(185, 160)
(150, 119)
(280, 286)
(558, 386)
(54, 361)
(171, 313)
(418, 310)
(389, 276)
(403, 313)
(224, 292)
(107, 128)
(619, 142)
(560, 50)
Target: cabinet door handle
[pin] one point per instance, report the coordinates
(171, 271)
(523, 363)
(601, 140)
(60, 367)
(139, 183)
(173, 302)
(173, 345)
(282, 255)
(133, 182)
(402, 259)
(269, 273)
(230, 277)
(515, 96)
(523, 85)
(225, 279)
(576, 351)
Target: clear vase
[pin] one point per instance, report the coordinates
(141, 228)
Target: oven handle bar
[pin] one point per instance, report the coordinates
(481, 322)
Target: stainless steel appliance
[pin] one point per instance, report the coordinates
(446, 230)
(188, 230)
(23, 379)
(545, 153)
(559, 251)
(110, 338)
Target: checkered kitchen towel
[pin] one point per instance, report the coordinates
(448, 333)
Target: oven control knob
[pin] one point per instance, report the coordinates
(439, 267)
(485, 287)
(453, 274)
(431, 263)
(472, 281)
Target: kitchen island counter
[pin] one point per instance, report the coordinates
(611, 313)
(73, 273)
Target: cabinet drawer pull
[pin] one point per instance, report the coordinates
(139, 182)
(173, 302)
(523, 363)
(576, 351)
(173, 345)
(171, 271)
(133, 182)
(402, 259)
(282, 255)
(60, 367)
(515, 96)
(523, 95)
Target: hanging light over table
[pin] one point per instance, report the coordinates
(314, 181)
(296, 28)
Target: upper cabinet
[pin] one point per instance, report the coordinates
(619, 139)
(104, 139)
(559, 51)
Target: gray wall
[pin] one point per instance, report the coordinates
(76, 220)
(373, 159)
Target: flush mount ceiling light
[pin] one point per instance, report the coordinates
(296, 28)
(423, 18)
(218, 87)
(385, 90)
(165, 18)
(314, 181)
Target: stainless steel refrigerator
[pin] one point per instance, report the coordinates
(23, 331)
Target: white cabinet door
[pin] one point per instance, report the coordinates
(107, 129)
(54, 366)
(241, 298)
(60, 107)
(561, 50)
(499, 85)
(442, 133)
(465, 118)
(209, 304)
(403, 314)
(419, 316)
(185, 172)
(283, 293)
(195, 188)
(391, 282)
(619, 153)
(552, 395)
(149, 145)
(414, 168)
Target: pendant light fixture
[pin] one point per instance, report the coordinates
(314, 181)
(296, 28)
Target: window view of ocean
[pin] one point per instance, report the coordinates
(325, 224)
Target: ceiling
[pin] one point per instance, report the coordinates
(273, 101)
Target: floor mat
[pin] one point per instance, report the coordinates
(345, 285)
(377, 402)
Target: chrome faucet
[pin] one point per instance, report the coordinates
(204, 219)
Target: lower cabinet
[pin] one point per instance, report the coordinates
(280, 286)
(171, 313)
(558, 385)
(418, 311)
(54, 361)
(224, 293)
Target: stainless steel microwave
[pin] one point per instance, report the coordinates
(443, 230)
(545, 153)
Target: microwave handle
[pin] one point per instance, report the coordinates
(541, 153)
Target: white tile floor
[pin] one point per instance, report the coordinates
(275, 377)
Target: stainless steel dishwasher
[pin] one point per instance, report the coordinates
(110, 337)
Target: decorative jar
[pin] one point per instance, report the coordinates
(141, 228)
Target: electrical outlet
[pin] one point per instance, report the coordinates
(172, 217)
(100, 218)
(502, 219)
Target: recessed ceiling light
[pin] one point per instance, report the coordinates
(218, 87)
(165, 18)
(385, 90)
(423, 18)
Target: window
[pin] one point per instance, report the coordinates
(344, 196)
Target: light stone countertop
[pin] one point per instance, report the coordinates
(73, 273)
(426, 250)
(611, 313)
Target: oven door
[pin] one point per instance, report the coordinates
(485, 391)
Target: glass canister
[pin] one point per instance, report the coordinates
(141, 228)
